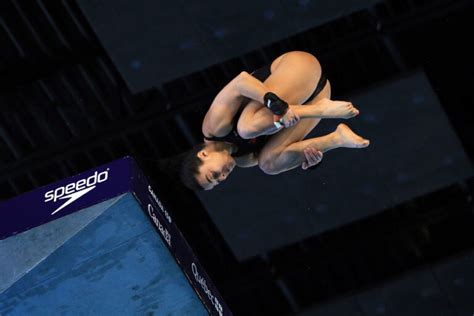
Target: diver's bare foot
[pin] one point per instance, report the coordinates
(347, 138)
(335, 109)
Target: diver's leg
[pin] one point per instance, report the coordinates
(283, 158)
(261, 122)
(293, 78)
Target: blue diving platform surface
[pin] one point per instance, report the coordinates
(99, 243)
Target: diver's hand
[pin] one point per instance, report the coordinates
(290, 118)
(313, 157)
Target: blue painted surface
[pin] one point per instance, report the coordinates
(116, 265)
(23, 252)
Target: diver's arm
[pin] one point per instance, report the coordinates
(229, 100)
(250, 87)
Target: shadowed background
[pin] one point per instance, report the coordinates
(387, 230)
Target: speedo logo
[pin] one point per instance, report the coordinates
(75, 190)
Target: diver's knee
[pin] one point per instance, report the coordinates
(266, 163)
(244, 129)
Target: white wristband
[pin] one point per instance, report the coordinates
(277, 124)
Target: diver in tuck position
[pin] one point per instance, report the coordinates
(250, 123)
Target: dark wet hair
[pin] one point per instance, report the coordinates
(185, 166)
(174, 173)
(189, 168)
